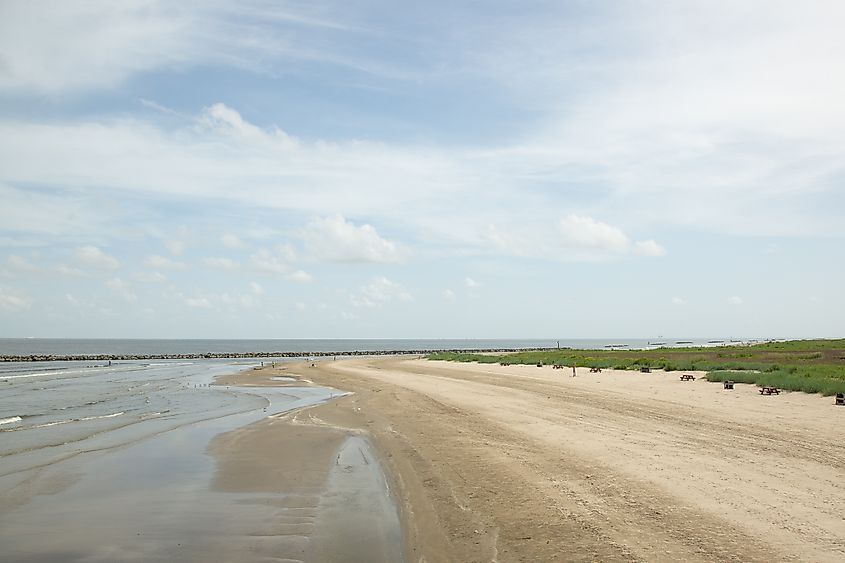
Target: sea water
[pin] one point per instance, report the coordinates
(110, 462)
(58, 346)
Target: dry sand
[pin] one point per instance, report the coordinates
(518, 463)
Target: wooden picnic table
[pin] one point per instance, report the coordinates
(769, 390)
(687, 377)
(595, 370)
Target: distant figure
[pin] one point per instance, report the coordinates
(109, 362)
(573, 370)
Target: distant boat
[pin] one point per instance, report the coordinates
(684, 342)
(715, 341)
(615, 345)
(657, 344)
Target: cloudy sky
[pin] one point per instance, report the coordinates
(556, 169)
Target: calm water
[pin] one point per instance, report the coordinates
(110, 463)
(25, 346)
(52, 410)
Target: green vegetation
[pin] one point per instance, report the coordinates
(812, 366)
(815, 379)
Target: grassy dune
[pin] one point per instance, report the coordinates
(812, 366)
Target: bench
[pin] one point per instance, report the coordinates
(840, 399)
(645, 370)
(595, 370)
(558, 366)
(769, 391)
(687, 377)
(728, 384)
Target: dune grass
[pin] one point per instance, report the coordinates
(811, 366)
(817, 380)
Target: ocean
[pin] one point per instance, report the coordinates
(59, 346)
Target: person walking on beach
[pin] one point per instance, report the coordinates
(573, 370)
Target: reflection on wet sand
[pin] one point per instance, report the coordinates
(243, 487)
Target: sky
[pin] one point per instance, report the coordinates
(382, 169)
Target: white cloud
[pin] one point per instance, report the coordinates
(198, 302)
(54, 46)
(301, 277)
(176, 244)
(735, 300)
(25, 266)
(21, 265)
(287, 252)
(121, 288)
(162, 263)
(150, 277)
(300, 306)
(336, 239)
(238, 299)
(65, 270)
(220, 263)
(269, 262)
(12, 300)
(24, 210)
(93, 256)
(648, 248)
(256, 288)
(448, 295)
(232, 302)
(573, 237)
(471, 283)
(678, 301)
(223, 119)
(232, 241)
(378, 292)
(581, 232)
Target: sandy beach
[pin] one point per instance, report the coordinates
(518, 463)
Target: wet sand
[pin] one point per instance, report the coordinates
(520, 463)
(328, 494)
(253, 486)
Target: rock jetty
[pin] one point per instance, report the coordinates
(234, 355)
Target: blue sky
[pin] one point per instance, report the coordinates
(273, 169)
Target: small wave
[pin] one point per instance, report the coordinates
(10, 420)
(68, 421)
(103, 416)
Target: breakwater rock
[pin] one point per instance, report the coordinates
(234, 355)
